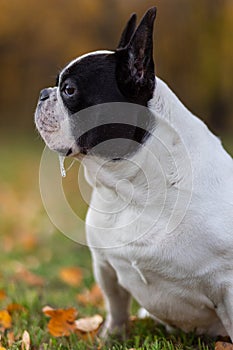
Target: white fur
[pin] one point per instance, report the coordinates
(167, 238)
(52, 122)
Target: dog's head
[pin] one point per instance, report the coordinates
(84, 109)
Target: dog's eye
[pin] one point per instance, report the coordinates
(69, 90)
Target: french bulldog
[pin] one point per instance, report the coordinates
(160, 222)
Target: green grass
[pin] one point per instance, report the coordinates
(22, 216)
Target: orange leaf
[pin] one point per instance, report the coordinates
(5, 320)
(25, 341)
(93, 296)
(29, 277)
(10, 338)
(71, 275)
(2, 294)
(219, 345)
(28, 241)
(62, 321)
(15, 307)
(48, 310)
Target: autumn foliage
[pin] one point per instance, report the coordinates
(64, 322)
(193, 49)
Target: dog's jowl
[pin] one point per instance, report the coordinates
(160, 224)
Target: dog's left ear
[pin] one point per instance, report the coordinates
(135, 64)
(127, 32)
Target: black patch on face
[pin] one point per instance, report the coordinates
(93, 79)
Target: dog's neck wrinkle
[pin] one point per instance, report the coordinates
(109, 173)
(125, 180)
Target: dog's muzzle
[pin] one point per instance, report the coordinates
(52, 122)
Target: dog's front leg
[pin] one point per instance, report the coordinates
(224, 310)
(117, 299)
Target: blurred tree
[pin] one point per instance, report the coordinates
(193, 49)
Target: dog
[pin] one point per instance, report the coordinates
(160, 223)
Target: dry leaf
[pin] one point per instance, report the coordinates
(71, 275)
(62, 321)
(219, 345)
(25, 341)
(89, 324)
(10, 338)
(2, 294)
(28, 241)
(46, 310)
(87, 328)
(133, 318)
(5, 320)
(93, 296)
(15, 307)
(29, 277)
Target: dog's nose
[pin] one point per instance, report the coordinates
(44, 94)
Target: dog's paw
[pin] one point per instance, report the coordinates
(113, 330)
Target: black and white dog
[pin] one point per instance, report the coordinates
(160, 224)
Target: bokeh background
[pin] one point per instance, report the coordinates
(193, 50)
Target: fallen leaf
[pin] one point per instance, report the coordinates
(46, 310)
(2, 294)
(87, 328)
(89, 324)
(93, 296)
(15, 307)
(71, 275)
(62, 321)
(29, 277)
(133, 318)
(28, 241)
(219, 345)
(5, 320)
(10, 338)
(25, 341)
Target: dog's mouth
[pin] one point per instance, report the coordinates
(69, 152)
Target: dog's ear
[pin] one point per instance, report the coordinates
(135, 64)
(127, 32)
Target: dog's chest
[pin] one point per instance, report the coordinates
(160, 272)
(166, 273)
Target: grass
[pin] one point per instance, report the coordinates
(29, 240)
